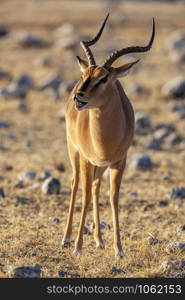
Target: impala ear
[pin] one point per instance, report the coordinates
(123, 70)
(82, 63)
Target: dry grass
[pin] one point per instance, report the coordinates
(28, 233)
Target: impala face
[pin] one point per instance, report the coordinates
(91, 85)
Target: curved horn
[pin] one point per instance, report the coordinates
(115, 55)
(85, 44)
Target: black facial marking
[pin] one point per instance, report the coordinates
(85, 84)
(103, 80)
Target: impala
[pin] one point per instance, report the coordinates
(100, 129)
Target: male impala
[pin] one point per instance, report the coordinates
(100, 128)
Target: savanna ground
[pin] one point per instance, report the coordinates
(27, 230)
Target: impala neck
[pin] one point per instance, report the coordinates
(111, 109)
(107, 120)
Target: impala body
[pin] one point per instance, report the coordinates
(100, 129)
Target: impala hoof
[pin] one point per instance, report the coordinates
(65, 243)
(77, 252)
(119, 254)
(100, 245)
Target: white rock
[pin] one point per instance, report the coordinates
(25, 271)
(176, 246)
(174, 88)
(51, 186)
(172, 265)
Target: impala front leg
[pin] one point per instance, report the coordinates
(68, 230)
(86, 172)
(95, 195)
(74, 158)
(116, 172)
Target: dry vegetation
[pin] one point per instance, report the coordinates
(27, 231)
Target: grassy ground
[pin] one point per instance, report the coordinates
(28, 233)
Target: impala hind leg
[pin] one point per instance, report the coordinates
(74, 158)
(86, 172)
(116, 172)
(95, 195)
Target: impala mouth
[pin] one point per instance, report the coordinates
(80, 104)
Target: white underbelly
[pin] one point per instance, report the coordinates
(100, 163)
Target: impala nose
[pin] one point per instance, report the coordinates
(78, 96)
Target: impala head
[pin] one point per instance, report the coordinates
(95, 79)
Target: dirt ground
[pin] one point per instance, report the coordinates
(36, 140)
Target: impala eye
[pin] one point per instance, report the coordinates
(103, 80)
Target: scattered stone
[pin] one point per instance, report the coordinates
(182, 115)
(174, 139)
(154, 143)
(167, 175)
(172, 265)
(28, 40)
(28, 143)
(137, 89)
(25, 271)
(44, 61)
(10, 136)
(22, 106)
(148, 207)
(176, 40)
(179, 205)
(176, 246)
(68, 44)
(133, 194)
(24, 81)
(178, 274)
(4, 124)
(142, 123)
(181, 230)
(114, 270)
(62, 273)
(56, 220)
(19, 88)
(45, 175)
(153, 240)
(51, 186)
(104, 225)
(174, 88)
(34, 186)
(3, 31)
(53, 83)
(163, 203)
(161, 134)
(87, 230)
(2, 193)
(7, 168)
(5, 75)
(22, 200)
(178, 56)
(20, 184)
(177, 193)
(67, 86)
(22, 86)
(142, 162)
(178, 107)
(65, 30)
(60, 167)
(28, 175)
(167, 127)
